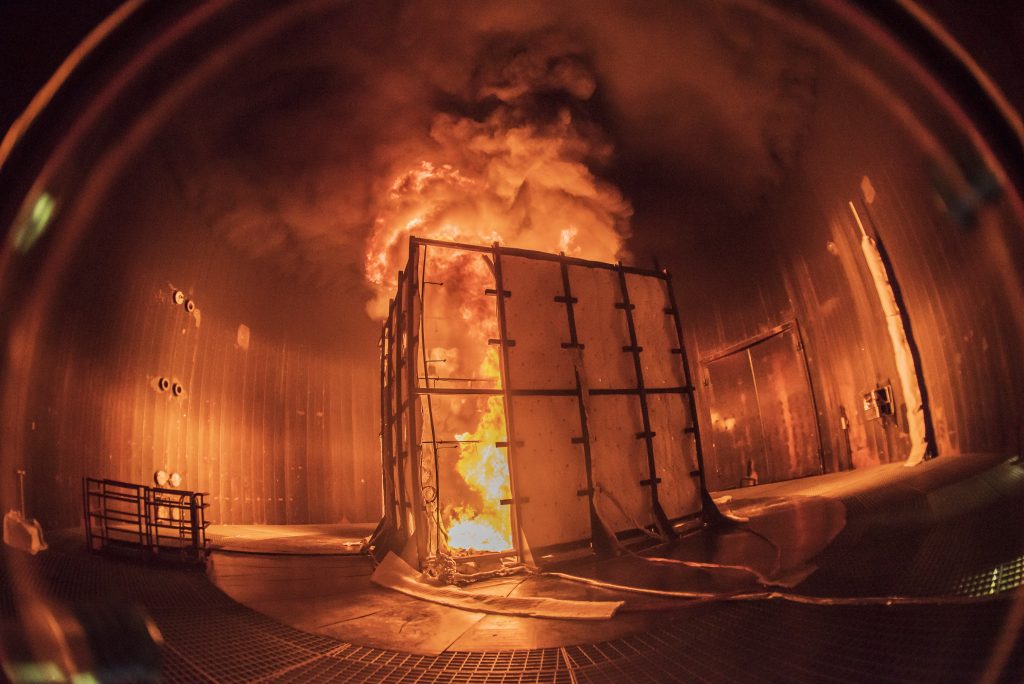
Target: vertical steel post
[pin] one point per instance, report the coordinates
(385, 420)
(710, 511)
(399, 445)
(192, 520)
(430, 521)
(412, 341)
(389, 407)
(506, 388)
(584, 440)
(647, 435)
(88, 516)
(384, 423)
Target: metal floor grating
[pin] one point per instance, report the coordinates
(1003, 577)
(925, 539)
(211, 638)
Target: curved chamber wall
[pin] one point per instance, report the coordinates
(229, 153)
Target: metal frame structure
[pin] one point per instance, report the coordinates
(153, 519)
(408, 440)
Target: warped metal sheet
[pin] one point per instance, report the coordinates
(602, 328)
(675, 455)
(655, 331)
(619, 462)
(538, 324)
(550, 471)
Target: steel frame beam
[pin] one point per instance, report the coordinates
(709, 511)
(641, 391)
(401, 389)
(518, 540)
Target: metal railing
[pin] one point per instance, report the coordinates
(152, 519)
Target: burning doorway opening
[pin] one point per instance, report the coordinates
(533, 405)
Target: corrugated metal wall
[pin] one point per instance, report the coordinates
(278, 415)
(794, 254)
(275, 434)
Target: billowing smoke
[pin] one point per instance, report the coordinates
(512, 161)
(489, 120)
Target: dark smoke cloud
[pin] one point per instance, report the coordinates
(511, 159)
(294, 155)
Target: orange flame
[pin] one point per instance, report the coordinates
(420, 203)
(484, 467)
(518, 184)
(519, 176)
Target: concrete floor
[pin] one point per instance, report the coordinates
(943, 539)
(806, 536)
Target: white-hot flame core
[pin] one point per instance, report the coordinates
(484, 467)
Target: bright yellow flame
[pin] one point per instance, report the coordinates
(484, 467)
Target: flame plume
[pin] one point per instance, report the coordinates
(521, 175)
(485, 469)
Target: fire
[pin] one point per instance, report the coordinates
(518, 173)
(482, 464)
(520, 185)
(484, 467)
